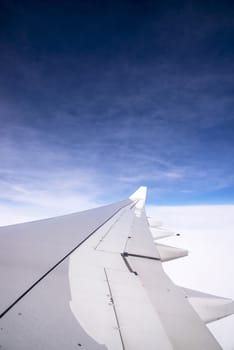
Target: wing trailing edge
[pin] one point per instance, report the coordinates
(209, 307)
(168, 253)
(161, 233)
(157, 230)
(153, 223)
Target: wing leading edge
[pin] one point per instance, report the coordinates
(95, 280)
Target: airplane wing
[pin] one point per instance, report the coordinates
(94, 280)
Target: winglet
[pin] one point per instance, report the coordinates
(139, 196)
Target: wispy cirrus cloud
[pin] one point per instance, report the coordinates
(150, 104)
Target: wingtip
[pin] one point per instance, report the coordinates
(139, 194)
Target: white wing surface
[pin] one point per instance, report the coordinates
(94, 280)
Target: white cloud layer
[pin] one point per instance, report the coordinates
(208, 233)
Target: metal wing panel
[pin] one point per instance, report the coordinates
(43, 318)
(139, 323)
(141, 242)
(183, 326)
(30, 250)
(150, 310)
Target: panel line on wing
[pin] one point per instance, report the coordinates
(115, 238)
(108, 231)
(127, 264)
(58, 263)
(115, 312)
(141, 256)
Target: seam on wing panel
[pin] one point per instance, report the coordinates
(134, 204)
(141, 256)
(108, 231)
(128, 265)
(115, 312)
(58, 263)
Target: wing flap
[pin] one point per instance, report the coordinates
(183, 326)
(140, 326)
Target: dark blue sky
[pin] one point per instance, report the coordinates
(100, 97)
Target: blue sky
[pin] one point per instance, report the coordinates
(98, 98)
